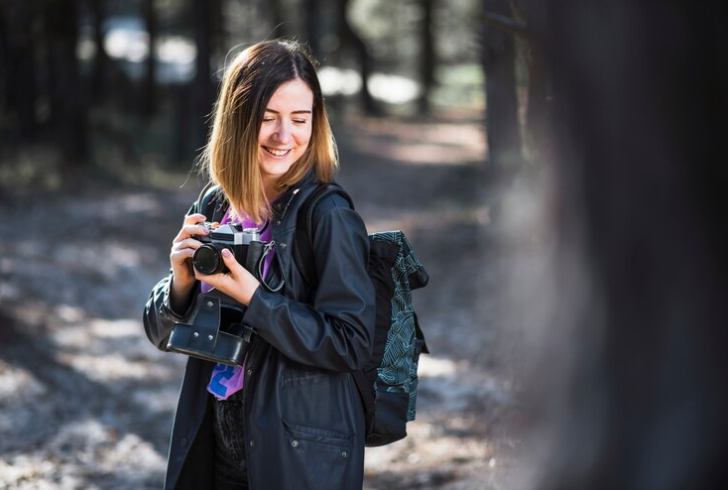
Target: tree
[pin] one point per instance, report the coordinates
(101, 60)
(149, 98)
(498, 57)
(312, 26)
(428, 57)
(69, 106)
(202, 87)
(639, 265)
(280, 25)
(17, 78)
(350, 39)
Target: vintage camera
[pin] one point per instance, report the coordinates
(215, 330)
(244, 243)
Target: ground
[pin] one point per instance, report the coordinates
(86, 402)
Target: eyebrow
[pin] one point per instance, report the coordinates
(294, 112)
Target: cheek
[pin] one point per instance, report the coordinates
(305, 138)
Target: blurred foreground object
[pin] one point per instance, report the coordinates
(631, 372)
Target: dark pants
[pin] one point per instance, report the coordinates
(231, 470)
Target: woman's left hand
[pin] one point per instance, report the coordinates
(239, 284)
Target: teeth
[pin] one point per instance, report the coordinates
(278, 153)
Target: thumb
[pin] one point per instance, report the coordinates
(229, 259)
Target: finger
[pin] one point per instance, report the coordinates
(180, 256)
(211, 279)
(220, 279)
(190, 222)
(189, 242)
(188, 231)
(231, 262)
(194, 218)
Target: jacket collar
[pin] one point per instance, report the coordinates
(280, 208)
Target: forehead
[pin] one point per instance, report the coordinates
(292, 96)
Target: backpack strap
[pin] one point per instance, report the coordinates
(303, 254)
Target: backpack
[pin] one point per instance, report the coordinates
(388, 382)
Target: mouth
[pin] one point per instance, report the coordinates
(276, 152)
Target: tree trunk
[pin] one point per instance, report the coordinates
(280, 26)
(312, 13)
(502, 125)
(18, 76)
(349, 38)
(639, 269)
(149, 99)
(101, 60)
(428, 58)
(538, 113)
(68, 98)
(203, 88)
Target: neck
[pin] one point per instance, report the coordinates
(271, 190)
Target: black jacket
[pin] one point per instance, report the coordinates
(304, 418)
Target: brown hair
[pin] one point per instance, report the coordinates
(231, 155)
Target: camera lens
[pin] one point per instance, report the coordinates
(207, 260)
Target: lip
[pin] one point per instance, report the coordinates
(277, 152)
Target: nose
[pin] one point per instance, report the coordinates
(283, 133)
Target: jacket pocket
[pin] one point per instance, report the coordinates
(321, 456)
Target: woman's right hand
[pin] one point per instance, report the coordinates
(180, 257)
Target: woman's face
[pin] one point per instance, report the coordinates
(286, 130)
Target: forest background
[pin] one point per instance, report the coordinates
(529, 150)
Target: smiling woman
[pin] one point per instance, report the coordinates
(283, 411)
(270, 91)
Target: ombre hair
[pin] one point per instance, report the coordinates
(231, 155)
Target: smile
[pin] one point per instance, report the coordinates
(276, 153)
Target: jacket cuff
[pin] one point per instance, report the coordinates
(166, 309)
(256, 314)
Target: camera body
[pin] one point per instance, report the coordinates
(244, 243)
(215, 330)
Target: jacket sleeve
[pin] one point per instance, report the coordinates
(159, 317)
(336, 332)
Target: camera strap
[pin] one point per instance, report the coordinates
(267, 248)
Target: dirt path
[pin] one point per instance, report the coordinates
(87, 402)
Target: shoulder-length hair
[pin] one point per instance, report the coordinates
(231, 155)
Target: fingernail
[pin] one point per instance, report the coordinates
(226, 253)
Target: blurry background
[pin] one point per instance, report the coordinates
(103, 109)
(556, 166)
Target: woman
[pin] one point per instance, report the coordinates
(292, 418)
